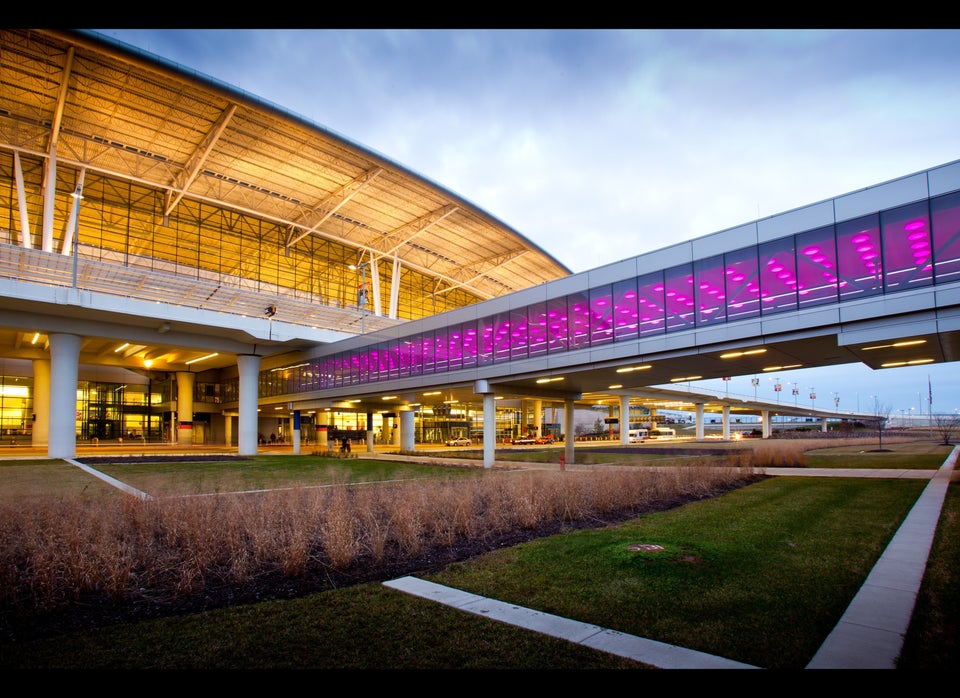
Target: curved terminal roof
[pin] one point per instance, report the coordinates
(130, 114)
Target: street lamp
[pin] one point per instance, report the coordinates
(813, 397)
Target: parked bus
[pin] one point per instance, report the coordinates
(638, 435)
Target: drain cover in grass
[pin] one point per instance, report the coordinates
(646, 547)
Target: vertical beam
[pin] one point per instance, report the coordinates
(249, 365)
(64, 372)
(624, 419)
(26, 237)
(568, 435)
(41, 402)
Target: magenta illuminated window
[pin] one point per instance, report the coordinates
(709, 291)
(557, 325)
(626, 318)
(778, 276)
(742, 283)
(428, 362)
(859, 258)
(601, 315)
(440, 350)
(946, 236)
(537, 330)
(454, 347)
(519, 334)
(678, 294)
(907, 254)
(485, 332)
(470, 345)
(501, 337)
(817, 281)
(578, 321)
(651, 304)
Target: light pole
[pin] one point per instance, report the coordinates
(813, 397)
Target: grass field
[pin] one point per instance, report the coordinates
(759, 575)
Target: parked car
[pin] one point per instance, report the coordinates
(524, 440)
(461, 441)
(545, 440)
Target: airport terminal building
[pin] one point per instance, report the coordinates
(183, 262)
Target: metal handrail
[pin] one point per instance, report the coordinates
(131, 281)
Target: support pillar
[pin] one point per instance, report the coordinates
(64, 373)
(185, 381)
(699, 407)
(726, 422)
(489, 429)
(296, 432)
(765, 416)
(624, 419)
(407, 431)
(369, 432)
(249, 365)
(41, 403)
(568, 429)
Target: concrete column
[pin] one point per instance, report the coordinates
(489, 429)
(228, 430)
(407, 431)
(568, 435)
(726, 422)
(823, 425)
(369, 432)
(249, 365)
(538, 416)
(296, 432)
(624, 419)
(41, 402)
(64, 372)
(765, 416)
(699, 407)
(185, 381)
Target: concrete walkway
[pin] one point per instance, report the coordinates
(869, 635)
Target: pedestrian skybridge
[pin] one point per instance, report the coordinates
(872, 276)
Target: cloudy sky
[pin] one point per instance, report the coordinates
(599, 145)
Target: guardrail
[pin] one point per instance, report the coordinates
(224, 294)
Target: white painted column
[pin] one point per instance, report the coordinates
(185, 382)
(699, 407)
(624, 419)
(489, 429)
(369, 432)
(765, 416)
(249, 365)
(568, 435)
(296, 432)
(823, 425)
(407, 431)
(64, 372)
(41, 403)
(726, 422)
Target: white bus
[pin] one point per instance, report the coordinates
(663, 433)
(638, 435)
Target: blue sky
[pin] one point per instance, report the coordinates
(599, 145)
